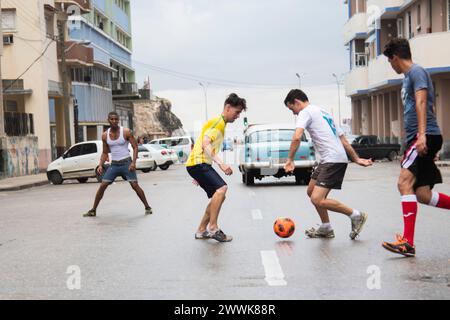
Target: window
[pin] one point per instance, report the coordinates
(11, 106)
(89, 148)
(49, 24)
(410, 33)
(74, 151)
(400, 28)
(121, 4)
(9, 19)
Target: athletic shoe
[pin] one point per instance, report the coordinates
(358, 224)
(148, 211)
(220, 236)
(320, 233)
(90, 213)
(401, 247)
(202, 235)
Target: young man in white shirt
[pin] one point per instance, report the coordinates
(333, 148)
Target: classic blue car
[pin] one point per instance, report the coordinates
(266, 151)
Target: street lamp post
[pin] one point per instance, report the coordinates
(339, 96)
(205, 90)
(299, 80)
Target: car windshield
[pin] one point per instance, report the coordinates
(155, 146)
(273, 135)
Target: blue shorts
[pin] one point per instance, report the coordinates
(207, 178)
(120, 170)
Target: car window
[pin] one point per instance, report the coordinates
(185, 142)
(89, 148)
(75, 151)
(273, 135)
(156, 147)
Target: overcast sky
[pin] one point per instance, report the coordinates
(251, 47)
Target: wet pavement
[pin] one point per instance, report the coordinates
(122, 254)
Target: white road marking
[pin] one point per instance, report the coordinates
(274, 272)
(257, 214)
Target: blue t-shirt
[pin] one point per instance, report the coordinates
(417, 79)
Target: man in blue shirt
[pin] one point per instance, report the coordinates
(419, 172)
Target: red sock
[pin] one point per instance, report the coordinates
(409, 205)
(440, 200)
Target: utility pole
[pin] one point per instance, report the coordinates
(205, 89)
(2, 110)
(62, 27)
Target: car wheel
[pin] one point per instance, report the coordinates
(392, 155)
(249, 179)
(55, 178)
(155, 166)
(83, 180)
(164, 167)
(146, 170)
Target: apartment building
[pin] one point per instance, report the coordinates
(32, 84)
(107, 29)
(372, 85)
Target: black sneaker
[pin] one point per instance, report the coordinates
(90, 213)
(220, 236)
(401, 246)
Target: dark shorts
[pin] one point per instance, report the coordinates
(207, 178)
(120, 170)
(424, 168)
(330, 175)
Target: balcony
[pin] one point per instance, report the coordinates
(432, 51)
(357, 81)
(381, 74)
(124, 89)
(18, 124)
(356, 28)
(83, 5)
(15, 87)
(78, 55)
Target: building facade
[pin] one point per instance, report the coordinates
(372, 85)
(107, 29)
(32, 84)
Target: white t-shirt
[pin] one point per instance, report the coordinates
(325, 134)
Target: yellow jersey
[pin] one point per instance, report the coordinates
(215, 130)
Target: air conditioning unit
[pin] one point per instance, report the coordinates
(9, 39)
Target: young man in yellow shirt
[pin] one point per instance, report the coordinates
(199, 167)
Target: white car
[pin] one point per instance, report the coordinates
(163, 157)
(181, 145)
(81, 161)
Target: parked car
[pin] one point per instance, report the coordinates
(181, 145)
(81, 161)
(163, 157)
(267, 149)
(370, 147)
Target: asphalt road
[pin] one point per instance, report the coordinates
(48, 251)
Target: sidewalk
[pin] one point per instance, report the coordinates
(25, 182)
(443, 163)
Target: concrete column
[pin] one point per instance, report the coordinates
(60, 130)
(354, 116)
(374, 129)
(380, 127)
(387, 118)
(365, 116)
(395, 124)
(400, 115)
(85, 136)
(99, 132)
(443, 114)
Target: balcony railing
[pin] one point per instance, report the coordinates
(19, 124)
(124, 88)
(361, 59)
(78, 54)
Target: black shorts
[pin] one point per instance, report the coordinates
(207, 178)
(424, 167)
(330, 175)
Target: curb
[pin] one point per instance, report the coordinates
(25, 186)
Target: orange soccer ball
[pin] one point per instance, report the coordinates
(284, 227)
